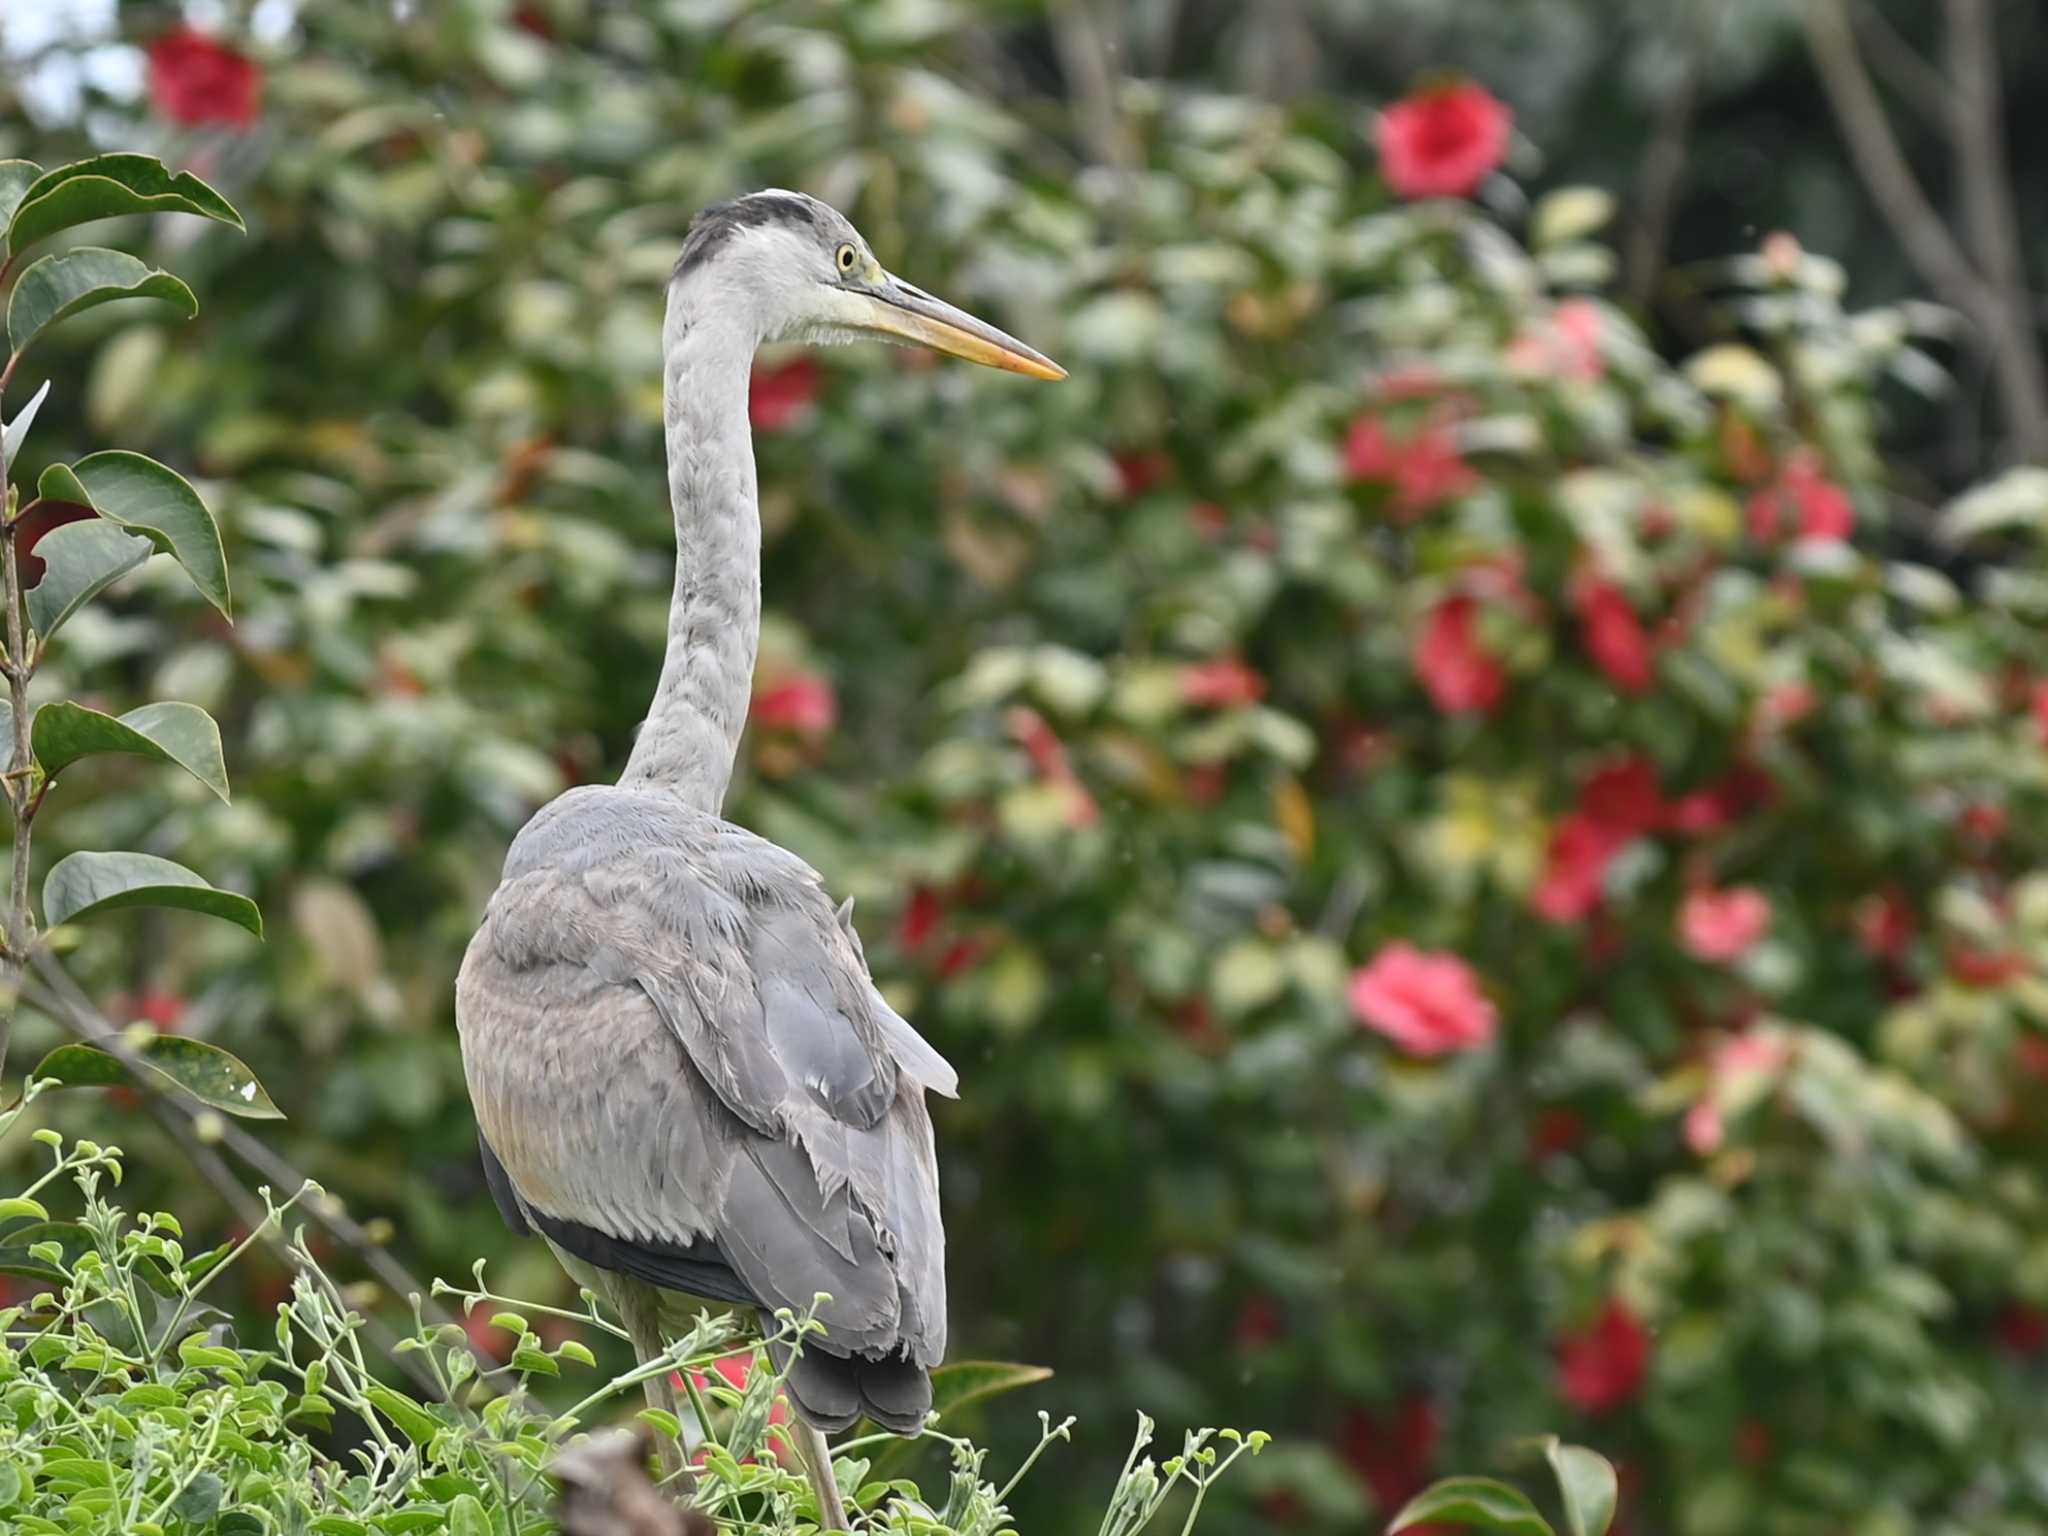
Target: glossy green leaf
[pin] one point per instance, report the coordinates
(16, 431)
(80, 560)
(20, 1206)
(105, 187)
(956, 1385)
(155, 501)
(86, 883)
(16, 177)
(413, 1421)
(62, 285)
(211, 1075)
(1480, 1502)
(1585, 1484)
(181, 734)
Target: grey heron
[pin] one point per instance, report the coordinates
(684, 1079)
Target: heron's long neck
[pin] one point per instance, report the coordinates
(714, 622)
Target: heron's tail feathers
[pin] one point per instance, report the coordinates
(833, 1392)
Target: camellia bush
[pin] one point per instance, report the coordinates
(1483, 868)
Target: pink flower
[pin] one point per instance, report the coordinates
(1614, 635)
(1564, 346)
(1443, 142)
(1461, 676)
(1604, 1364)
(1424, 469)
(195, 79)
(1428, 1003)
(1223, 683)
(777, 397)
(1722, 925)
(1805, 498)
(1704, 1130)
(1885, 924)
(804, 705)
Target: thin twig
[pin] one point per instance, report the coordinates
(1664, 159)
(1086, 59)
(1918, 83)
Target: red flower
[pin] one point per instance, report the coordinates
(1429, 1004)
(920, 919)
(1442, 142)
(2023, 1330)
(1223, 683)
(1984, 821)
(1259, 1322)
(1564, 346)
(1575, 867)
(1139, 471)
(1786, 705)
(1424, 469)
(1723, 925)
(1603, 1365)
(777, 396)
(2041, 709)
(195, 79)
(1614, 635)
(1049, 755)
(1713, 807)
(1884, 924)
(1555, 1132)
(1461, 676)
(1984, 967)
(1623, 793)
(1805, 497)
(804, 704)
(1392, 1458)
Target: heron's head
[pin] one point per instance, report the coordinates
(794, 268)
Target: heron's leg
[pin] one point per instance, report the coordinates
(639, 1308)
(817, 1455)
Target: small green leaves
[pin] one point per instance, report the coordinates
(1474, 1501)
(21, 1206)
(154, 500)
(413, 1421)
(80, 560)
(16, 177)
(1585, 1483)
(85, 883)
(181, 734)
(103, 188)
(211, 1075)
(59, 286)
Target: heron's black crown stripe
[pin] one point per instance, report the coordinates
(720, 222)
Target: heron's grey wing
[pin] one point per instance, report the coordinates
(775, 1035)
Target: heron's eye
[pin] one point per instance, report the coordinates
(846, 258)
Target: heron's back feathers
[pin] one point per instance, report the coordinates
(683, 1072)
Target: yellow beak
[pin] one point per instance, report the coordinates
(893, 308)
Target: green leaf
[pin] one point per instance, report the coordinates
(80, 561)
(16, 177)
(19, 1206)
(180, 734)
(466, 1517)
(1586, 1484)
(154, 500)
(59, 286)
(16, 430)
(211, 1075)
(105, 187)
(194, 1351)
(966, 1381)
(84, 883)
(67, 1241)
(200, 1500)
(413, 1421)
(1474, 1501)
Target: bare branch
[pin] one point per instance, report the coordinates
(1087, 60)
(1664, 159)
(1918, 83)
(1988, 218)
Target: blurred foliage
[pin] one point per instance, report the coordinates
(1135, 759)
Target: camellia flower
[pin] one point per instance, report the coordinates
(1804, 501)
(195, 80)
(1614, 635)
(1564, 346)
(1141, 470)
(804, 704)
(1885, 925)
(1222, 683)
(1604, 1364)
(1392, 1456)
(1461, 675)
(778, 396)
(1424, 469)
(1443, 141)
(1428, 1003)
(1619, 802)
(733, 1371)
(1722, 925)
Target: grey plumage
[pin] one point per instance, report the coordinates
(684, 1078)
